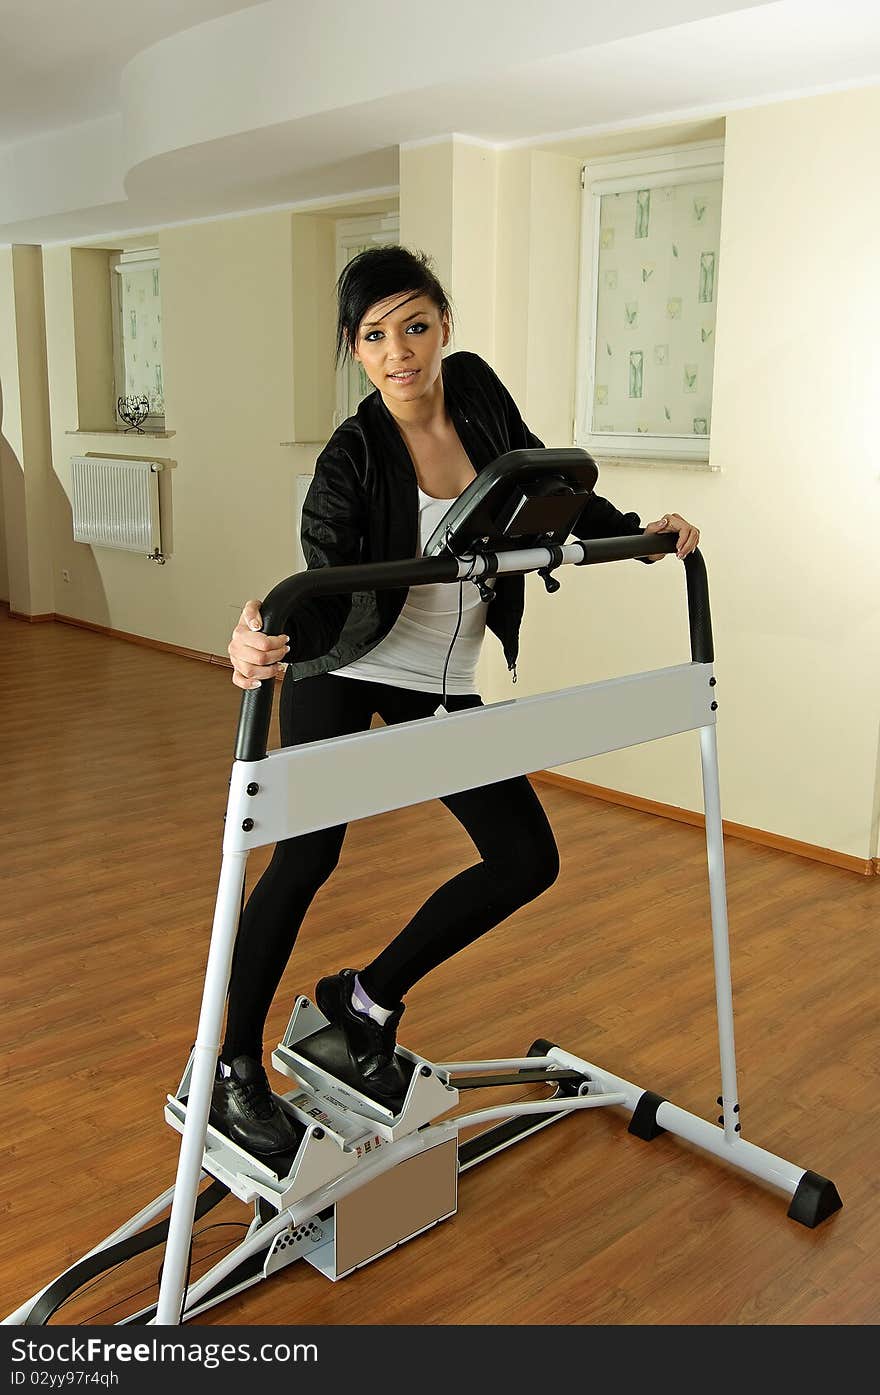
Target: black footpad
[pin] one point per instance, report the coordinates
(280, 1163)
(328, 1049)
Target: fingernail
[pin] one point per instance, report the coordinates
(256, 684)
(286, 638)
(254, 625)
(287, 648)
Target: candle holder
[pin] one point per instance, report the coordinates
(133, 410)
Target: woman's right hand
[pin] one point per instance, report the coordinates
(254, 655)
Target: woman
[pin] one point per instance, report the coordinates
(381, 485)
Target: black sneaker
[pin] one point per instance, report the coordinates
(244, 1108)
(364, 1054)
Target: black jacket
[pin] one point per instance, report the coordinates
(362, 506)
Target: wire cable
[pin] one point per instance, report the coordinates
(454, 637)
(97, 1264)
(147, 1288)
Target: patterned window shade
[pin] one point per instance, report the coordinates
(657, 280)
(140, 313)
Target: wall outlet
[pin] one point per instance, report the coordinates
(65, 574)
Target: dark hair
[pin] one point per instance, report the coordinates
(375, 275)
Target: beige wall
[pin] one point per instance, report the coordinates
(448, 208)
(789, 516)
(798, 593)
(11, 471)
(25, 458)
(92, 318)
(426, 212)
(230, 483)
(312, 312)
(4, 557)
(538, 244)
(789, 521)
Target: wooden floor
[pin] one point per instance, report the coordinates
(116, 762)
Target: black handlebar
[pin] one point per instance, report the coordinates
(619, 549)
(279, 606)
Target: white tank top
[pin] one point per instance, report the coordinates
(413, 653)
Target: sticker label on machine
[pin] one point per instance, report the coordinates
(348, 1128)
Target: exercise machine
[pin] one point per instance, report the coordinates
(363, 1176)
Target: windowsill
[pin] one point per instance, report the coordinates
(121, 431)
(657, 462)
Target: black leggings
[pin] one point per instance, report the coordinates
(518, 855)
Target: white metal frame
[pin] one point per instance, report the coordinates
(298, 789)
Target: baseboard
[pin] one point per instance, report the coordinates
(31, 619)
(865, 867)
(142, 640)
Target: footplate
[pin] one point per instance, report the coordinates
(426, 1098)
(323, 1155)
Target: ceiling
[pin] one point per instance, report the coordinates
(118, 116)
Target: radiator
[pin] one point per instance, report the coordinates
(116, 503)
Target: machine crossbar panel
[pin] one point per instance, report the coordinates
(303, 788)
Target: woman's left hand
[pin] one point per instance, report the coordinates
(688, 535)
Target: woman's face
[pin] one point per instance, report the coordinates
(400, 344)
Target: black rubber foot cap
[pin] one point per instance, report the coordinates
(815, 1200)
(644, 1118)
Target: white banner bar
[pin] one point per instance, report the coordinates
(303, 788)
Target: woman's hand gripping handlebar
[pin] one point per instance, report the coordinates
(687, 536)
(255, 656)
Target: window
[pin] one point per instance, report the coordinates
(137, 331)
(355, 235)
(649, 281)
